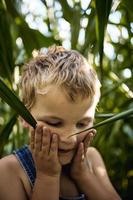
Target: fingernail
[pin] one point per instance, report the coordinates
(44, 128)
(94, 131)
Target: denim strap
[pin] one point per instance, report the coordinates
(24, 156)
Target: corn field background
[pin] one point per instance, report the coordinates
(102, 30)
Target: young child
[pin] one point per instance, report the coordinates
(61, 91)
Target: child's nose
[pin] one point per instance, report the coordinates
(66, 140)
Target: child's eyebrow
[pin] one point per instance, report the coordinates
(48, 117)
(87, 119)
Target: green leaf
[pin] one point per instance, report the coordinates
(6, 50)
(5, 133)
(68, 12)
(102, 12)
(103, 115)
(129, 7)
(109, 120)
(32, 39)
(10, 98)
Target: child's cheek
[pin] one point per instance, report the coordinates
(40, 123)
(46, 125)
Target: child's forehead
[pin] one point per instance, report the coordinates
(55, 103)
(55, 95)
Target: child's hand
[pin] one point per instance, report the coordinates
(80, 165)
(44, 148)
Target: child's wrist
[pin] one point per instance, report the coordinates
(79, 177)
(44, 176)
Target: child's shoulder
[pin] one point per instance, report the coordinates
(9, 162)
(92, 151)
(94, 156)
(12, 178)
(97, 165)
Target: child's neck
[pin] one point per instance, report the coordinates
(67, 185)
(66, 170)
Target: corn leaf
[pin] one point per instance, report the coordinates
(102, 12)
(32, 39)
(109, 120)
(6, 50)
(11, 99)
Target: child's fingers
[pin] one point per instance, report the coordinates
(88, 139)
(80, 153)
(38, 138)
(54, 145)
(32, 139)
(46, 141)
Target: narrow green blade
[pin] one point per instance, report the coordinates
(6, 48)
(111, 119)
(102, 12)
(11, 99)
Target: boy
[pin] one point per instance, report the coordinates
(61, 91)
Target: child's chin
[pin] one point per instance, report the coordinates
(64, 160)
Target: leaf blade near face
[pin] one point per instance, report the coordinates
(11, 99)
(109, 120)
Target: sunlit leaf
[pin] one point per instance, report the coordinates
(102, 12)
(32, 39)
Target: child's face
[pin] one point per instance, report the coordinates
(64, 118)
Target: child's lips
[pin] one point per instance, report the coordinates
(65, 151)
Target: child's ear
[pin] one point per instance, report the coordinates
(24, 123)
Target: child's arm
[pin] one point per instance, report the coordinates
(46, 188)
(95, 183)
(11, 186)
(44, 148)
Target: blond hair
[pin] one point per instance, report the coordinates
(67, 69)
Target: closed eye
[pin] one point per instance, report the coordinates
(82, 125)
(57, 124)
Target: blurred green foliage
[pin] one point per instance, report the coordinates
(26, 26)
